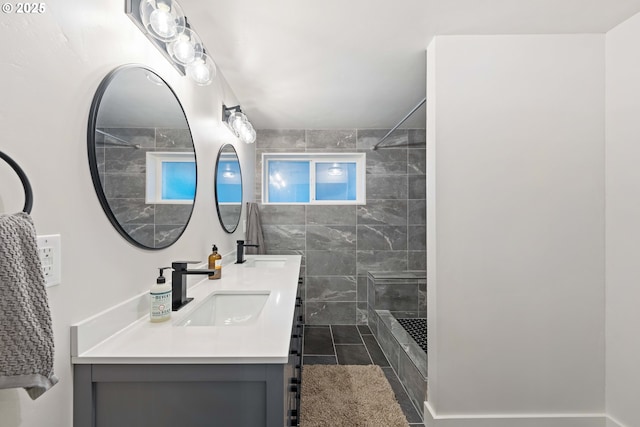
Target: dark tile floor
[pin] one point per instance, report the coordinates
(353, 345)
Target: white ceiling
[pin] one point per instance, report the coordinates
(361, 63)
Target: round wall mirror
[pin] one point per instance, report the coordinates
(228, 188)
(141, 156)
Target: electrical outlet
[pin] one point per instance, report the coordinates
(49, 249)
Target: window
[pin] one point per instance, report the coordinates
(171, 177)
(313, 178)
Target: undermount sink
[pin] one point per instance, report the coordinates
(265, 262)
(228, 308)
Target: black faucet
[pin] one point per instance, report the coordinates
(240, 250)
(179, 283)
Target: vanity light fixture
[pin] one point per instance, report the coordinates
(166, 26)
(239, 124)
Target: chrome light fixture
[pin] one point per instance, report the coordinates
(239, 124)
(166, 26)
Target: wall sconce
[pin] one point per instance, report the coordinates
(165, 25)
(239, 124)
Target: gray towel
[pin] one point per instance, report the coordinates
(26, 336)
(254, 230)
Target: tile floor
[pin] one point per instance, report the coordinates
(353, 345)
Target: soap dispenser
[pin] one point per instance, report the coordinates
(160, 299)
(215, 263)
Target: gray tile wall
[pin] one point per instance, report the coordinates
(122, 172)
(340, 244)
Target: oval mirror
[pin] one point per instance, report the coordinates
(141, 156)
(228, 188)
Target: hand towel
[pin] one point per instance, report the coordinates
(254, 230)
(26, 336)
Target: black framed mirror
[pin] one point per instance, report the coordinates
(228, 188)
(141, 156)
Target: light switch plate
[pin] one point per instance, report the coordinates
(49, 249)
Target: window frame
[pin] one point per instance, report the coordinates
(360, 159)
(153, 175)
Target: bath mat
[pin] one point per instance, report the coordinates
(349, 396)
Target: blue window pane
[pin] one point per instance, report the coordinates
(178, 180)
(229, 182)
(288, 181)
(336, 181)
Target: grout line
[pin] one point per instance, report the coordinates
(365, 346)
(333, 343)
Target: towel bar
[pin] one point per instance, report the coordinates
(28, 194)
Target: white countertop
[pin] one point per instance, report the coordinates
(265, 341)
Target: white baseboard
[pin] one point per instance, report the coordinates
(431, 419)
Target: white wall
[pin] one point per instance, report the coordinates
(516, 226)
(623, 221)
(51, 66)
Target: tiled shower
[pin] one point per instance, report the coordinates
(341, 244)
(122, 171)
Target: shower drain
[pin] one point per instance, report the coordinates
(417, 328)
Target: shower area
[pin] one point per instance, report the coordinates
(362, 265)
(397, 316)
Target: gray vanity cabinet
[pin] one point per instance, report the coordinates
(191, 395)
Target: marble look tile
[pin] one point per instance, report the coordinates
(166, 235)
(405, 314)
(371, 292)
(387, 187)
(331, 288)
(382, 237)
(100, 160)
(381, 261)
(284, 237)
(338, 313)
(145, 137)
(173, 214)
(282, 215)
(417, 138)
(346, 334)
(367, 138)
(125, 160)
(361, 291)
(397, 297)
(301, 252)
(331, 215)
(319, 360)
(413, 381)
(364, 330)
(331, 140)
(389, 345)
(377, 356)
(174, 139)
(362, 313)
(372, 320)
(417, 237)
(134, 211)
(291, 139)
(417, 260)
(352, 354)
(387, 162)
(141, 233)
(318, 341)
(403, 399)
(417, 211)
(124, 186)
(327, 237)
(337, 262)
(417, 162)
(422, 299)
(417, 187)
(383, 212)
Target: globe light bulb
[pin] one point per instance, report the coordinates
(201, 70)
(186, 47)
(163, 20)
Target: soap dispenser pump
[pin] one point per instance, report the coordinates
(160, 299)
(215, 263)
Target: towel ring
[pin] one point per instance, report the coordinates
(28, 194)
